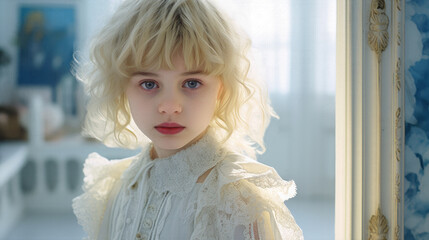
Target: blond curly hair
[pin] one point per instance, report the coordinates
(145, 34)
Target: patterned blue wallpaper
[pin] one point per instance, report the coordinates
(416, 183)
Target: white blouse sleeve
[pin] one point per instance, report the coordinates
(257, 215)
(251, 231)
(100, 177)
(263, 229)
(244, 200)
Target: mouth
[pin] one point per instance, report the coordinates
(169, 128)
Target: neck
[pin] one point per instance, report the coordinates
(157, 152)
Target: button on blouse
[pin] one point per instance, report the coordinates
(164, 216)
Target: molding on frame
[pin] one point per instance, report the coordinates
(369, 119)
(378, 40)
(397, 116)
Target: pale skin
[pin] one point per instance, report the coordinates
(184, 97)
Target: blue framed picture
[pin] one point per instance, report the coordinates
(46, 42)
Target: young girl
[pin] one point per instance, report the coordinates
(171, 76)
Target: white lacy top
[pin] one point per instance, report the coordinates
(140, 198)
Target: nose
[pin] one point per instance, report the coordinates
(170, 103)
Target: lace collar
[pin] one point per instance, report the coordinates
(178, 173)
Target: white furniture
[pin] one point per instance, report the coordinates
(45, 177)
(12, 159)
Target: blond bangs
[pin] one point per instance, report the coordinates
(176, 29)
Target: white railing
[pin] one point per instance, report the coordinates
(12, 159)
(46, 177)
(53, 174)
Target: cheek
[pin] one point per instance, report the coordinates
(207, 105)
(137, 108)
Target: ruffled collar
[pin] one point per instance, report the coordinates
(178, 173)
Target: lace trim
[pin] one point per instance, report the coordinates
(178, 173)
(238, 192)
(100, 177)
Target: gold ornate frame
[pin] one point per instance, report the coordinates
(369, 119)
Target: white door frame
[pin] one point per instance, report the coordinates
(369, 119)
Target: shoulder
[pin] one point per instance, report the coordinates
(242, 191)
(98, 169)
(100, 176)
(245, 176)
(239, 170)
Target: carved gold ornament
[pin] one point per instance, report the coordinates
(398, 74)
(378, 36)
(398, 188)
(378, 226)
(398, 136)
(398, 35)
(397, 115)
(397, 232)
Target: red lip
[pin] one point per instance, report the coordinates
(169, 128)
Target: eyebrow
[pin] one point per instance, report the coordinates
(151, 74)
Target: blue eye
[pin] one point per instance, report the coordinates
(192, 84)
(149, 85)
